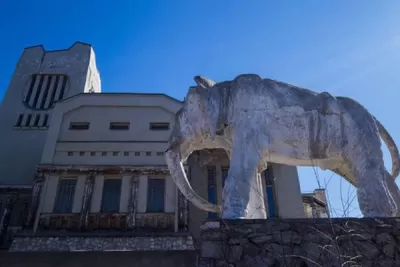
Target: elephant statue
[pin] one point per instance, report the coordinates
(258, 120)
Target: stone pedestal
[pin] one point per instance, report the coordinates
(301, 242)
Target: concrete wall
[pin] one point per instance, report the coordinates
(99, 259)
(23, 146)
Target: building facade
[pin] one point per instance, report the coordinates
(77, 159)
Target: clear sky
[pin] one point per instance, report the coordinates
(349, 48)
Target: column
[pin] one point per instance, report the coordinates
(36, 192)
(87, 199)
(132, 206)
(287, 189)
(5, 219)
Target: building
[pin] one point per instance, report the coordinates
(77, 159)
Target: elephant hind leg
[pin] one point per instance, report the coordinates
(372, 189)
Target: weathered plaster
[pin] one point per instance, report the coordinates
(261, 120)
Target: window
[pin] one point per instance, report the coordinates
(155, 195)
(159, 126)
(20, 118)
(37, 118)
(269, 182)
(148, 153)
(65, 196)
(212, 189)
(224, 171)
(81, 153)
(126, 153)
(92, 153)
(115, 153)
(137, 154)
(111, 195)
(104, 153)
(79, 125)
(28, 120)
(70, 153)
(45, 120)
(160, 153)
(119, 125)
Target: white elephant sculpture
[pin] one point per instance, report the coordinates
(261, 120)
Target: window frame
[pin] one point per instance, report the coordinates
(70, 207)
(79, 126)
(119, 126)
(150, 209)
(158, 126)
(103, 208)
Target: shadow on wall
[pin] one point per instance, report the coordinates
(98, 259)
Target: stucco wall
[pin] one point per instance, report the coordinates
(23, 146)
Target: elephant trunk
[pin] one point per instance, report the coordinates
(174, 162)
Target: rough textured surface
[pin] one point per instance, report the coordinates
(99, 259)
(25, 244)
(321, 242)
(261, 120)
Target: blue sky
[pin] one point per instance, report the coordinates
(349, 48)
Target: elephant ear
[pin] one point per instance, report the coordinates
(204, 82)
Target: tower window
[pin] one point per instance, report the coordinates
(28, 120)
(20, 118)
(36, 122)
(45, 120)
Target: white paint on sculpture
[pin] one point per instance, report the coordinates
(261, 120)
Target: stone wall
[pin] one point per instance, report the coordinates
(301, 242)
(99, 259)
(106, 243)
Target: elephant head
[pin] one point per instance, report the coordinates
(194, 129)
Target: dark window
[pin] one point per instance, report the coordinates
(115, 154)
(160, 153)
(224, 175)
(28, 120)
(92, 153)
(64, 84)
(159, 126)
(81, 153)
(20, 118)
(33, 81)
(45, 120)
(119, 125)
(137, 154)
(46, 92)
(111, 195)
(79, 125)
(269, 182)
(70, 153)
(37, 118)
(212, 189)
(38, 90)
(65, 196)
(126, 153)
(104, 153)
(155, 195)
(148, 153)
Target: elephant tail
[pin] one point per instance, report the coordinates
(394, 152)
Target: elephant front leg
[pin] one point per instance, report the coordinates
(242, 194)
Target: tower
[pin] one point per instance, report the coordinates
(41, 79)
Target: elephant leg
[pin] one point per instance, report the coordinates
(394, 191)
(242, 194)
(372, 189)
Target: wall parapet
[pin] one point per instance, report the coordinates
(301, 242)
